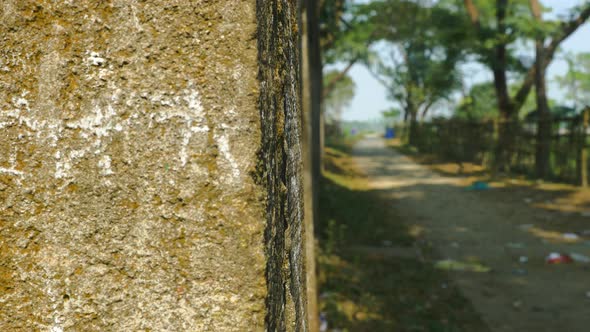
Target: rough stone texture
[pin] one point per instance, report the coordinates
(132, 193)
(280, 104)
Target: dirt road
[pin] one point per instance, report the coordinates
(496, 228)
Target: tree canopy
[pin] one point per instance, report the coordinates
(577, 79)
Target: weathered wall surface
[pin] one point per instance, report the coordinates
(146, 183)
(280, 104)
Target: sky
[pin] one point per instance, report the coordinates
(371, 98)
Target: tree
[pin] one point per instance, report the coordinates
(344, 40)
(340, 96)
(479, 103)
(333, 24)
(495, 33)
(425, 48)
(543, 151)
(577, 79)
(391, 116)
(311, 152)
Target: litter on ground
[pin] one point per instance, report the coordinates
(557, 258)
(570, 236)
(453, 265)
(579, 258)
(479, 185)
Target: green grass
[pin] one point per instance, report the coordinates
(362, 291)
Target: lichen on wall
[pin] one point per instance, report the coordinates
(129, 133)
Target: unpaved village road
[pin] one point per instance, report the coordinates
(494, 230)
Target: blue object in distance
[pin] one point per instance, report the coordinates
(389, 133)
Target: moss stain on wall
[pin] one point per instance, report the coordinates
(128, 133)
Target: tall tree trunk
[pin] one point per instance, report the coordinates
(313, 71)
(412, 112)
(543, 148)
(507, 112)
(310, 188)
(509, 107)
(567, 29)
(414, 134)
(425, 110)
(322, 145)
(542, 152)
(316, 84)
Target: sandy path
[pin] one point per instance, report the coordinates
(463, 224)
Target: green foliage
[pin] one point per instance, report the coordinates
(530, 103)
(391, 116)
(479, 104)
(392, 113)
(425, 43)
(340, 95)
(345, 35)
(520, 26)
(523, 25)
(427, 40)
(577, 79)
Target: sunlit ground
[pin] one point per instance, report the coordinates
(409, 247)
(568, 204)
(374, 273)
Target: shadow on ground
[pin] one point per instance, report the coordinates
(567, 204)
(375, 272)
(386, 221)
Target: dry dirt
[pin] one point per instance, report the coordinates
(494, 227)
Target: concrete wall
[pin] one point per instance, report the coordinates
(280, 104)
(149, 166)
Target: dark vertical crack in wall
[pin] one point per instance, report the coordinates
(280, 163)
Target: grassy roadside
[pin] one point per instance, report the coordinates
(375, 274)
(475, 172)
(468, 171)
